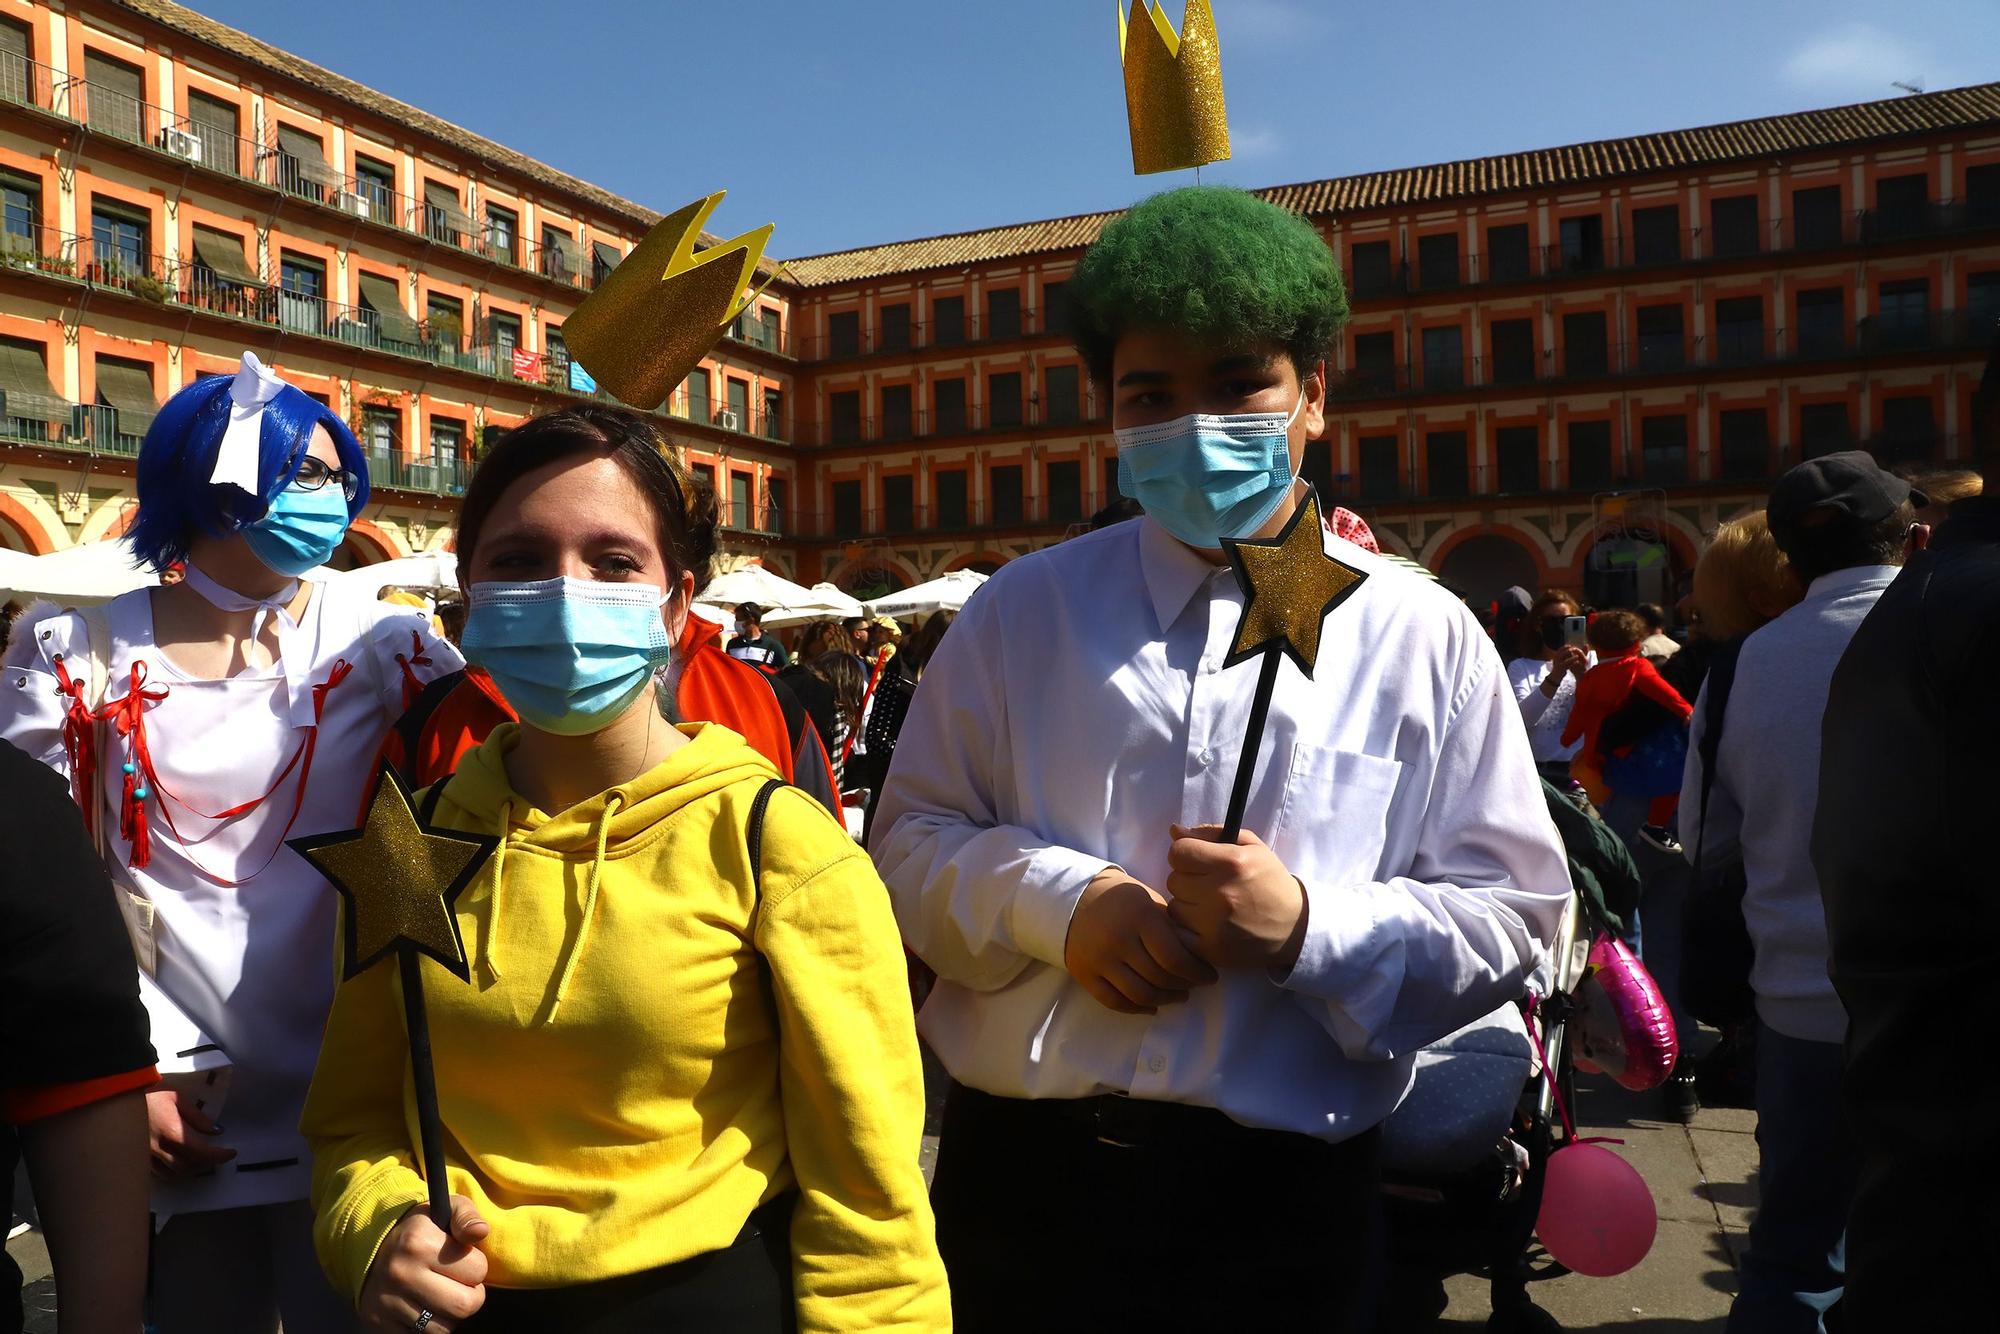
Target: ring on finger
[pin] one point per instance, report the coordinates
(424, 1318)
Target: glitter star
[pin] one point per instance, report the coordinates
(399, 881)
(1290, 584)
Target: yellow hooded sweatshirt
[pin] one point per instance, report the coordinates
(647, 1051)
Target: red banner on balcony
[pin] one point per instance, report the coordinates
(527, 365)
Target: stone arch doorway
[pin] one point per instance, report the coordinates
(1487, 564)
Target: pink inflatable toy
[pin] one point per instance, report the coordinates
(1622, 1026)
(1597, 1216)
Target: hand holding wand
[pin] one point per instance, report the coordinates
(398, 880)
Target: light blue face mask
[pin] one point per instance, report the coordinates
(570, 655)
(300, 530)
(1206, 478)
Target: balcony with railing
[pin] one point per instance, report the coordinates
(1749, 463)
(434, 474)
(94, 429)
(889, 428)
(191, 284)
(990, 515)
(1730, 347)
(292, 165)
(885, 339)
(1640, 249)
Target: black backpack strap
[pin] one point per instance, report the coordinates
(1721, 679)
(427, 808)
(754, 832)
(410, 727)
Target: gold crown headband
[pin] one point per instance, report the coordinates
(1173, 87)
(657, 314)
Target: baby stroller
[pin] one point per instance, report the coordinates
(1464, 1156)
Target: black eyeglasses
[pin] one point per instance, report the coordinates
(312, 475)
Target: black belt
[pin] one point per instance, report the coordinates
(1118, 1121)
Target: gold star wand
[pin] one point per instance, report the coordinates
(399, 881)
(1289, 585)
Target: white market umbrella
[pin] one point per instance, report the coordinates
(75, 576)
(784, 602)
(946, 593)
(826, 604)
(427, 572)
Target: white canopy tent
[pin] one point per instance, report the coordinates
(945, 593)
(75, 576)
(427, 572)
(784, 602)
(86, 574)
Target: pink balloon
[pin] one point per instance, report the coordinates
(1622, 1026)
(1597, 1215)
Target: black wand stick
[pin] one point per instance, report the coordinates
(398, 880)
(429, 1127)
(1289, 585)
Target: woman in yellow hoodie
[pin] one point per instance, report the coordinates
(682, 1090)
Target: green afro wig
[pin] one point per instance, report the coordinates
(1219, 265)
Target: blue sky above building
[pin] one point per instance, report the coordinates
(868, 121)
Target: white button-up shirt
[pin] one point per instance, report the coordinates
(1079, 707)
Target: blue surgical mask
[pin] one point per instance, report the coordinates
(300, 530)
(570, 655)
(1206, 478)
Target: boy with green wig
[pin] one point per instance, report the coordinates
(1171, 1054)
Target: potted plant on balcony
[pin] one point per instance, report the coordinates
(148, 288)
(447, 329)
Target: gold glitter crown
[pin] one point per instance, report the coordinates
(1173, 87)
(654, 316)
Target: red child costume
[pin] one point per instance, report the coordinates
(1603, 691)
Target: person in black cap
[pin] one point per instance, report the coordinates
(752, 645)
(1914, 920)
(1845, 524)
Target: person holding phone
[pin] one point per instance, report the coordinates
(1553, 657)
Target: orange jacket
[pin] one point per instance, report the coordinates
(714, 687)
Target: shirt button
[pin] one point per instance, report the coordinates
(1156, 1064)
(1207, 757)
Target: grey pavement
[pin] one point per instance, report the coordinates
(1703, 1179)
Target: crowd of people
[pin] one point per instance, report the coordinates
(1736, 924)
(680, 1086)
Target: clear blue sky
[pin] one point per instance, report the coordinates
(852, 122)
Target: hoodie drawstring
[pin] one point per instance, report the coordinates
(489, 962)
(611, 805)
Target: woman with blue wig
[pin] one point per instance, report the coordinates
(201, 724)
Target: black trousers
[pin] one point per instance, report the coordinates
(1109, 1214)
(743, 1289)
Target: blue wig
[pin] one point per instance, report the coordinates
(177, 502)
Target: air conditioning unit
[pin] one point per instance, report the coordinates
(358, 205)
(726, 420)
(181, 144)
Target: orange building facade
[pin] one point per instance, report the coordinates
(1563, 366)
(173, 192)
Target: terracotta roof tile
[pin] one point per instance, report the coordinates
(1538, 169)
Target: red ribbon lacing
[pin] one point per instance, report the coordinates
(1555, 1088)
(412, 684)
(79, 742)
(129, 715)
(874, 679)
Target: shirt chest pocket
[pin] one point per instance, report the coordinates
(1334, 824)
